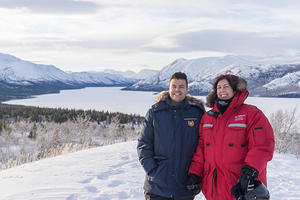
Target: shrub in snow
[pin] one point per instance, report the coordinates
(25, 141)
(287, 136)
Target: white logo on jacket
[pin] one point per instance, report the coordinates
(239, 117)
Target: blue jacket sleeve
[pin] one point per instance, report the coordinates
(145, 146)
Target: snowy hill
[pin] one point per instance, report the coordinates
(22, 79)
(19, 78)
(112, 173)
(142, 74)
(16, 71)
(201, 73)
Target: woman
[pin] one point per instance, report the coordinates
(236, 141)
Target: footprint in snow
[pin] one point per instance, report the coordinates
(73, 197)
(86, 181)
(91, 189)
(115, 183)
(107, 174)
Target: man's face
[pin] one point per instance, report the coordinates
(178, 90)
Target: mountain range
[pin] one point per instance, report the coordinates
(22, 79)
(263, 77)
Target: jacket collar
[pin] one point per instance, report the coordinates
(237, 100)
(241, 88)
(164, 102)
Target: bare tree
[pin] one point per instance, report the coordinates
(284, 123)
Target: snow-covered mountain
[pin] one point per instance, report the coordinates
(16, 71)
(113, 172)
(263, 79)
(142, 74)
(19, 78)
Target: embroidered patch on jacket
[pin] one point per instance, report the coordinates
(239, 117)
(191, 123)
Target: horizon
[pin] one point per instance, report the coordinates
(94, 35)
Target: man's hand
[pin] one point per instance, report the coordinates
(194, 183)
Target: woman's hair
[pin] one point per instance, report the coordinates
(233, 81)
(237, 84)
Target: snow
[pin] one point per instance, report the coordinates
(201, 71)
(99, 77)
(142, 74)
(14, 70)
(197, 68)
(287, 80)
(17, 71)
(113, 172)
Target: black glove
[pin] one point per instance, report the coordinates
(246, 181)
(236, 191)
(194, 183)
(247, 178)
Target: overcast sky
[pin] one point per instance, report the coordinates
(87, 35)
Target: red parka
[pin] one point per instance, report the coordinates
(241, 135)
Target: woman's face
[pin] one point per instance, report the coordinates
(224, 90)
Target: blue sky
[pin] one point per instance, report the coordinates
(135, 34)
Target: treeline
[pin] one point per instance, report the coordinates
(60, 115)
(29, 133)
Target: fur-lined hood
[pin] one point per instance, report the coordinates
(211, 97)
(162, 96)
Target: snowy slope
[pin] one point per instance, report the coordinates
(264, 79)
(194, 68)
(22, 79)
(202, 71)
(111, 173)
(101, 78)
(142, 74)
(16, 71)
(290, 79)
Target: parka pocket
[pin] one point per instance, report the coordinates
(160, 173)
(207, 135)
(237, 134)
(235, 144)
(259, 136)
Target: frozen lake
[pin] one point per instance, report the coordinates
(136, 102)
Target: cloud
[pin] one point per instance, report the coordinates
(228, 41)
(52, 6)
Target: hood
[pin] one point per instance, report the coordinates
(162, 96)
(211, 97)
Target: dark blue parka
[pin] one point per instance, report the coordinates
(167, 144)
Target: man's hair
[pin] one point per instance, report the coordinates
(179, 75)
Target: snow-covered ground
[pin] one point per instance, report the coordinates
(113, 172)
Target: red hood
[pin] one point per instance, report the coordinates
(237, 100)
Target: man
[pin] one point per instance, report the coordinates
(168, 141)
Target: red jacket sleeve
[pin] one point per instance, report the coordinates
(261, 141)
(197, 163)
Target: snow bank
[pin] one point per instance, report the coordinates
(113, 172)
